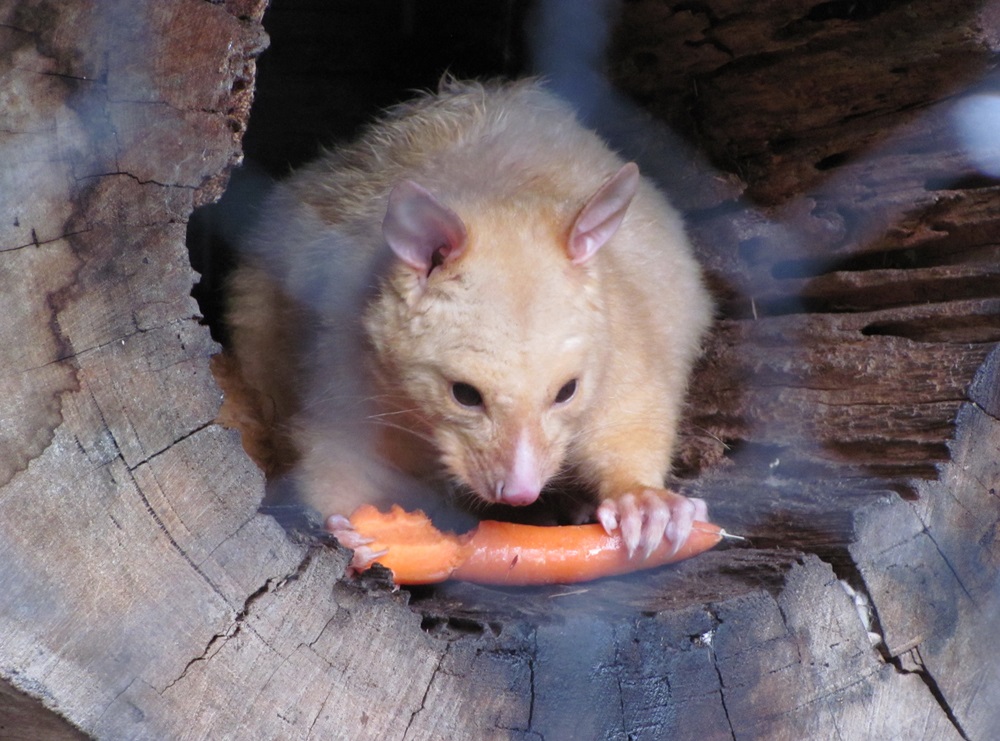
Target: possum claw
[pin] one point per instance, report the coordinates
(363, 558)
(340, 527)
(647, 519)
(607, 515)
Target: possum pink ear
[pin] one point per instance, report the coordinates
(421, 230)
(600, 218)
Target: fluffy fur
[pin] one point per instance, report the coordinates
(359, 345)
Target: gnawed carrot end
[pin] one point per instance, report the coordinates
(418, 553)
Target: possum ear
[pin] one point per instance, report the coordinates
(602, 215)
(421, 230)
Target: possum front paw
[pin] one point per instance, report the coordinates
(340, 527)
(649, 517)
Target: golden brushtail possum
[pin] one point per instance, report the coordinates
(478, 287)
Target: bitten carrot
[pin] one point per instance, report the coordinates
(505, 553)
(417, 552)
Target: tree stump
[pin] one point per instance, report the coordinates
(846, 416)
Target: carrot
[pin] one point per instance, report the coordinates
(505, 553)
(418, 553)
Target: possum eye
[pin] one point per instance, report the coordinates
(466, 394)
(566, 392)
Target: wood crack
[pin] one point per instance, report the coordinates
(951, 568)
(215, 643)
(532, 657)
(153, 456)
(35, 242)
(716, 622)
(137, 179)
(932, 686)
(875, 628)
(427, 690)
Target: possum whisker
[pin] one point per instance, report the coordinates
(465, 497)
(699, 431)
(569, 480)
(392, 412)
(347, 400)
(315, 401)
(389, 425)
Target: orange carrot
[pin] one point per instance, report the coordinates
(418, 553)
(505, 553)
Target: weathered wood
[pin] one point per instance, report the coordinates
(790, 90)
(931, 569)
(108, 446)
(144, 596)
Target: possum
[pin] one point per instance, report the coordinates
(478, 296)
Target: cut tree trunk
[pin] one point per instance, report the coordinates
(846, 415)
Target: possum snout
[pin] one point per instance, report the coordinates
(524, 478)
(510, 464)
(525, 468)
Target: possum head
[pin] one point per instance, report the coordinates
(490, 327)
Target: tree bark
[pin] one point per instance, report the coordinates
(846, 415)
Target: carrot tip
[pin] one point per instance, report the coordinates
(730, 537)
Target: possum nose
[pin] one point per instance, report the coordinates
(523, 483)
(518, 496)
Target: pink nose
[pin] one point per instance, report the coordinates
(524, 480)
(518, 496)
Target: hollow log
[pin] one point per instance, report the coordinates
(845, 416)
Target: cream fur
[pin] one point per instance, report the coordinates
(347, 339)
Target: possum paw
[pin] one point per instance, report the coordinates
(648, 518)
(347, 536)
